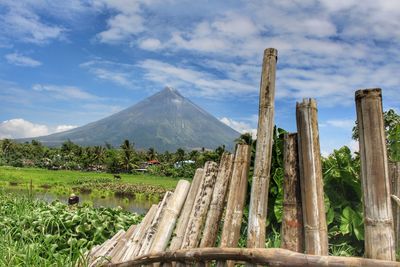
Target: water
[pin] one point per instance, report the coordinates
(130, 204)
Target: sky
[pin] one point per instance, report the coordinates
(67, 63)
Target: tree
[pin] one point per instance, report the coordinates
(245, 139)
(151, 153)
(127, 154)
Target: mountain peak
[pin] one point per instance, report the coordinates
(171, 91)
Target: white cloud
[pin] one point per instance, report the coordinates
(21, 60)
(20, 128)
(150, 44)
(64, 92)
(240, 126)
(345, 123)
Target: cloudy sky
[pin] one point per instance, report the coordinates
(66, 63)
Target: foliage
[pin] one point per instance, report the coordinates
(35, 233)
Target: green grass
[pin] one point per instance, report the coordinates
(35, 233)
(42, 177)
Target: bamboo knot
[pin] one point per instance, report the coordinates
(373, 222)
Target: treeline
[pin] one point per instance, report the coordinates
(125, 158)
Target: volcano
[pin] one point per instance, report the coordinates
(164, 121)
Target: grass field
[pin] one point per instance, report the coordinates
(40, 177)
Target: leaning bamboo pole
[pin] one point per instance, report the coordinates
(312, 193)
(183, 220)
(169, 218)
(217, 202)
(292, 220)
(273, 257)
(262, 165)
(199, 211)
(378, 219)
(394, 174)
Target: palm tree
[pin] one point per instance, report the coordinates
(127, 150)
(244, 139)
(151, 153)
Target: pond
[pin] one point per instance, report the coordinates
(139, 206)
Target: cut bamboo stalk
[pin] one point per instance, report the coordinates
(312, 192)
(102, 254)
(394, 172)
(378, 219)
(217, 202)
(181, 226)
(273, 257)
(200, 207)
(122, 241)
(292, 219)
(262, 165)
(169, 218)
(236, 199)
(134, 241)
(149, 236)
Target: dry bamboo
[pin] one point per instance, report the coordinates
(217, 203)
(262, 164)
(102, 254)
(394, 172)
(200, 207)
(237, 197)
(135, 241)
(292, 219)
(273, 257)
(123, 241)
(149, 236)
(378, 219)
(312, 193)
(181, 226)
(170, 217)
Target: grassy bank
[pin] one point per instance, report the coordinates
(65, 181)
(35, 233)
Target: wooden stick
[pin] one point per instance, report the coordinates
(237, 197)
(170, 216)
(274, 257)
(292, 220)
(312, 192)
(394, 174)
(378, 219)
(262, 165)
(200, 207)
(181, 226)
(102, 254)
(217, 203)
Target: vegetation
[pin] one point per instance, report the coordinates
(35, 233)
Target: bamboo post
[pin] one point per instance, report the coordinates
(378, 219)
(312, 193)
(394, 172)
(217, 203)
(292, 220)
(149, 237)
(181, 226)
(170, 217)
(200, 207)
(262, 165)
(236, 199)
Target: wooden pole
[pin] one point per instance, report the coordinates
(312, 193)
(262, 165)
(217, 202)
(394, 173)
(169, 218)
(181, 226)
(273, 257)
(199, 211)
(236, 199)
(378, 219)
(292, 220)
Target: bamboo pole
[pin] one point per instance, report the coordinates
(236, 199)
(394, 173)
(149, 236)
(181, 226)
(312, 193)
(378, 219)
(200, 207)
(170, 217)
(292, 219)
(262, 165)
(105, 249)
(273, 257)
(217, 203)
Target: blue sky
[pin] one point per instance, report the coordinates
(67, 63)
